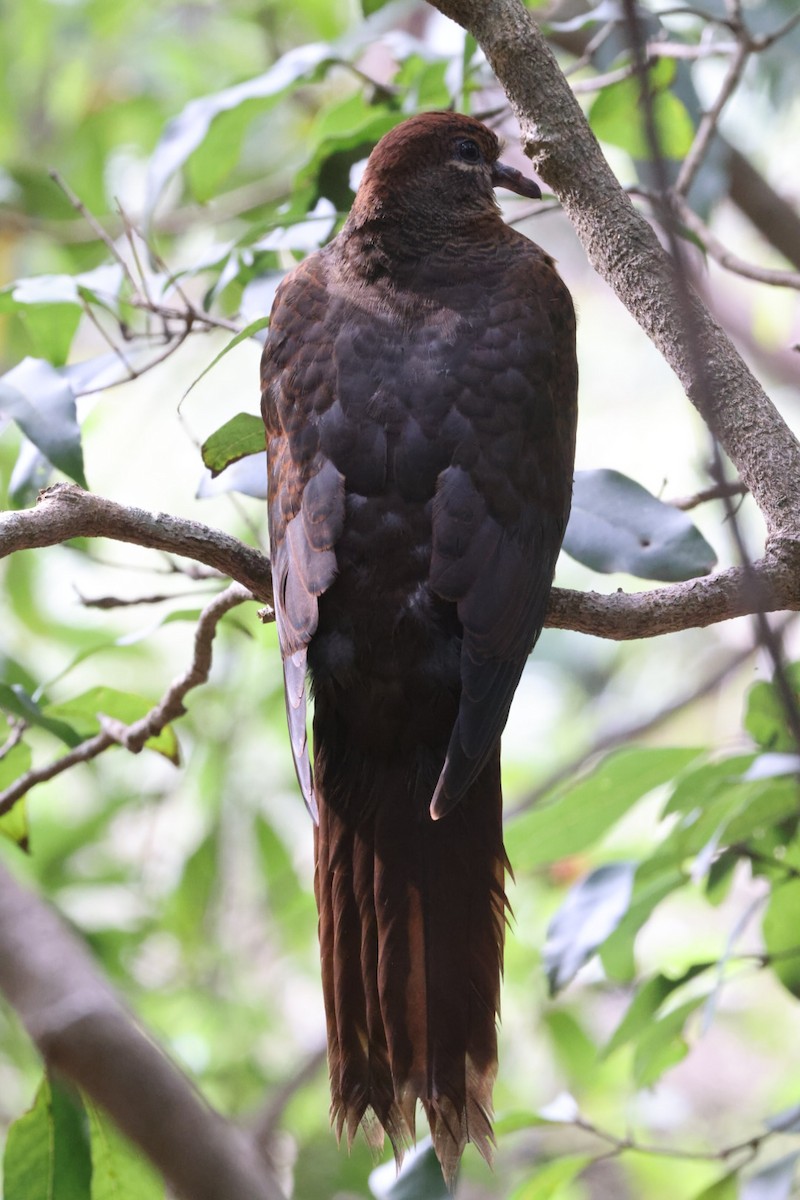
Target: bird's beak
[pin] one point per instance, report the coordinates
(515, 181)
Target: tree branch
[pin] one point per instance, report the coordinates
(169, 708)
(66, 511)
(625, 251)
(84, 1032)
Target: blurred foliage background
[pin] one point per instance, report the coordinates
(651, 1028)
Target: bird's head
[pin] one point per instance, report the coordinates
(436, 173)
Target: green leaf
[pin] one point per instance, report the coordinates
(579, 818)
(617, 117)
(15, 699)
(616, 525)
(655, 879)
(119, 1171)
(422, 1180)
(725, 1188)
(14, 823)
(781, 929)
(592, 910)
(237, 438)
(186, 132)
(83, 711)
(241, 336)
(552, 1177)
(47, 1151)
(662, 1044)
(765, 715)
(41, 402)
(645, 1004)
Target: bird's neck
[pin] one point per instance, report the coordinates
(376, 243)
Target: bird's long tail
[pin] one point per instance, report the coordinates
(411, 925)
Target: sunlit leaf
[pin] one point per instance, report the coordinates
(14, 763)
(240, 436)
(645, 1004)
(47, 1151)
(187, 131)
(765, 716)
(663, 1044)
(616, 525)
(14, 699)
(119, 1170)
(726, 1188)
(582, 815)
(549, 1179)
(617, 116)
(592, 910)
(83, 712)
(781, 929)
(40, 400)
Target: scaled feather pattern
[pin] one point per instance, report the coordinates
(419, 393)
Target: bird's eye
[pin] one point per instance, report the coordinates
(468, 151)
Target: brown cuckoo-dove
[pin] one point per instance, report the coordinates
(419, 394)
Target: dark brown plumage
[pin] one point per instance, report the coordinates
(419, 385)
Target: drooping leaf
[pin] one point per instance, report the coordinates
(14, 823)
(781, 929)
(592, 910)
(187, 131)
(765, 715)
(579, 817)
(47, 1151)
(663, 1044)
(726, 1188)
(16, 700)
(550, 1178)
(655, 879)
(773, 1182)
(119, 1170)
(645, 1004)
(41, 401)
(249, 331)
(616, 525)
(240, 436)
(83, 712)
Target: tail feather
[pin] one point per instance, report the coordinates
(411, 922)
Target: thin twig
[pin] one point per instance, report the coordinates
(726, 258)
(708, 124)
(89, 217)
(717, 491)
(169, 708)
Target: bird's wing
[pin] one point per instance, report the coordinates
(306, 492)
(501, 508)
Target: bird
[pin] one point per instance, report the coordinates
(419, 385)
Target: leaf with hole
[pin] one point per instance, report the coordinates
(616, 525)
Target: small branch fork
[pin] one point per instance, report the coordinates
(169, 708)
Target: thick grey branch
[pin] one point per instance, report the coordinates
(83, 1031)
(770, 585)
(65, 511)
(625, 251)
